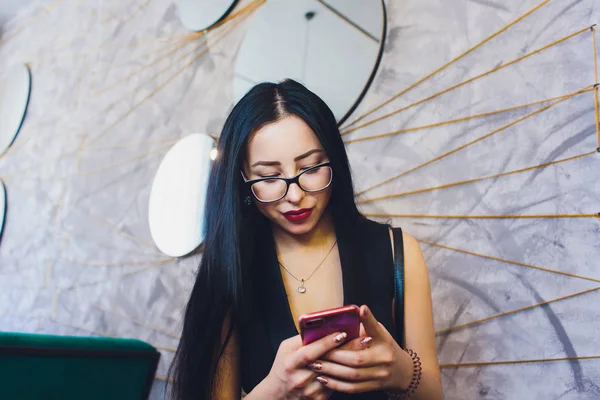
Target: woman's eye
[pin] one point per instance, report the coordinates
(307, 168)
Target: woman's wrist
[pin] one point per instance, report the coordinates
(405, 369)
(411, 376)
(266, 389)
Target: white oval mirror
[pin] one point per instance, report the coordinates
(198, 15)
(14, 97)
(333, 47)
(2, 207)
(176, 206)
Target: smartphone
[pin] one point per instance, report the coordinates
(317, 325)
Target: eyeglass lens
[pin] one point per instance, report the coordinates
(274, 189)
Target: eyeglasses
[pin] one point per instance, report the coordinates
(313, 179)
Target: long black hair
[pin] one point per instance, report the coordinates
(222, 279)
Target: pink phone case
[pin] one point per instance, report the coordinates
(319, 324)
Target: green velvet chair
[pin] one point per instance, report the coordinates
(44, 367)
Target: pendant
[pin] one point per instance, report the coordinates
(301, 288)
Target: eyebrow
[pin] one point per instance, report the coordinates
(275, 163)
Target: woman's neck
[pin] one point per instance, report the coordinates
(323, 234)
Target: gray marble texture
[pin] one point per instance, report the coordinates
(76, 256)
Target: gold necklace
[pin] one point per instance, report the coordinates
(302, 288)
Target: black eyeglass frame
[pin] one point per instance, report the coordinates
(289, 181)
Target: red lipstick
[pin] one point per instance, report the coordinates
(298, 215)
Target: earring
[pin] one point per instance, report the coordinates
(248, 201)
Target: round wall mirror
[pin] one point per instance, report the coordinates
(333, 47)
(198, 15)
(176, 206)
(15, 87)
(2, 206)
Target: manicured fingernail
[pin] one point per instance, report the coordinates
(322, 381)
(340, 338)
(316, 366)
(366, 342)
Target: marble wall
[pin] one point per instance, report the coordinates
(109, 98)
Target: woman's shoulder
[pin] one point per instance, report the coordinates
(388, 228)
(410, 246)
(387, 231)
(376, 230)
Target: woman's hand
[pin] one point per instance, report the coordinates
(372, 362)
(290, 376)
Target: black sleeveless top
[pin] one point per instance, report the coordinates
(367, 271)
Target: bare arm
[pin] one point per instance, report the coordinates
(228, 386)
(418, 316)
(228, 383)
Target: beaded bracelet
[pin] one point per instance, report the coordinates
(416, 379)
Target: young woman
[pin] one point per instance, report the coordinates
(284, 238)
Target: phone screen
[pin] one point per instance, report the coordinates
(317, 325)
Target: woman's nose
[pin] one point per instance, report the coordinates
(294, 194)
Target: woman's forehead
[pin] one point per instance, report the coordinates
(281, 140)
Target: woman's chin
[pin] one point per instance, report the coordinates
(295, 228)
(298, 229)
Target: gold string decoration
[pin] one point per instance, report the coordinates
(30, 20)
(596, 106)
(464, 146)
(80, 285)
(462, 55)
(145, 269)
(135, 145)
(139, 323)
(138, 104)
(518, 310)
(247, 11)
(163, 348)
(52, 43)
(141, 43)
(70, 325)
(465, 182)
(66, 28)
(120, 263)
(187, 39)
(113, 17)
(514, 362)
(136, 71)
(450, 122)
(525, 216)
(470, 80)
(118, 230)
(502, 260)
(154, 152)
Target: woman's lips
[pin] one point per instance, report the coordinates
(298, 215)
